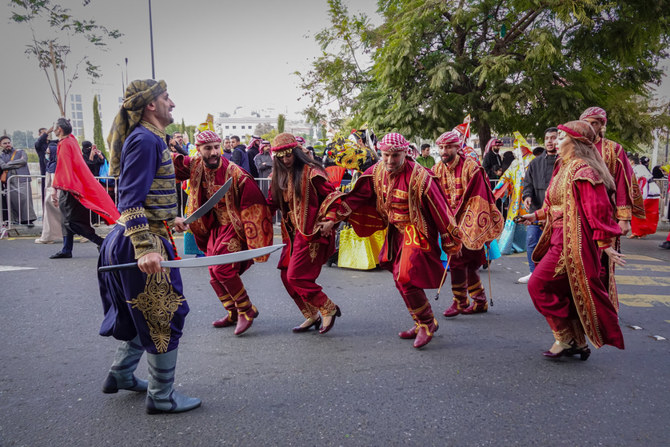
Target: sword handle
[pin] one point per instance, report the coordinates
(112, 268)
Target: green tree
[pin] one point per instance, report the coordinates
(281, 123)
(59, 29)
(172, 128)
(513, 65)
(98, 139)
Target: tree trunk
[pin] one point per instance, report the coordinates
(61, 106)
(484, 131)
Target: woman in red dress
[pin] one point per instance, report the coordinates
(299, 186)
(566, 286)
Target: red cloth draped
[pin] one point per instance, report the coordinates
(648, 225)
(74, 176)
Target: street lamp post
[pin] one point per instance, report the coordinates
(151, 36)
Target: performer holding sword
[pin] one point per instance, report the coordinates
(241, 221)
(144, 305)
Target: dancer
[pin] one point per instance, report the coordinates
(406, 198)
(629, 200)
(566, 286)
(299, 186)
(145, 307)
(469, 196)
(240, 222)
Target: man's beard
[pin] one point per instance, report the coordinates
(212, 165)
(446, 159)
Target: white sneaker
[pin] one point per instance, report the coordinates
(41, 241)
(524, 279)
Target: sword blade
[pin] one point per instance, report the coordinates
(206, 261)
(209, 204)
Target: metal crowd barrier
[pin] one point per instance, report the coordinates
(31, 188)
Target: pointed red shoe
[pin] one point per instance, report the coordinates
(477, 307)
(224, 322)
(422, 338)
(408, 334)
(245, 321)
(454, 310)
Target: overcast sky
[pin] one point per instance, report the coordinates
(214, 56)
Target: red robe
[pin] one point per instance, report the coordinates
(243, 208)
(566, 286)
(306, 248)
(74, 176)
(413, 206)
(628, 197)
(469, 195)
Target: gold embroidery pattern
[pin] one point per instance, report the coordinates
(313, 250)
(158, 304)
(572, 237)
(234, 245)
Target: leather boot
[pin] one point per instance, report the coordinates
(457, 307)
(121, 375)
(409, 334)
(161, 395)
(245, 320)
(479, 305)
(424, 334)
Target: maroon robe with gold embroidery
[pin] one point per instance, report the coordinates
(413, 206)
(469, 195)
(240, 221)
(306, 248)
(566, 285)
(628, 197)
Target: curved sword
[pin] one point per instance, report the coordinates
(206, 261)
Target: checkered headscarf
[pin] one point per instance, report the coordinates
(393, 142)
(594, 112)
(207, 136)
(450, 137)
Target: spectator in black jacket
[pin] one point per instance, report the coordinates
(92, 156)
(535, 184)
(492, 163)
(239, 156)
(41, 148)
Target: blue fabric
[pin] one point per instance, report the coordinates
(513, 238)
(493, 252)
(123, 319)
(533, 233)
(190, 247)
(129, 297)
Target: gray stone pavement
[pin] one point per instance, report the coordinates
(480, 382)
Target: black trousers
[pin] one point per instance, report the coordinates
(76, 219)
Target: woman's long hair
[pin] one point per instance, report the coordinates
(280, 174)
(590, 155)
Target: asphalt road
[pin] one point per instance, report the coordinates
(480, 382)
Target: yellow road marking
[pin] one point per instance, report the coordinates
(641, 258)
(650, 268)
(642, 280)
(642, 300)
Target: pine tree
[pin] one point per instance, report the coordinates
(98, 139)
(281, 123)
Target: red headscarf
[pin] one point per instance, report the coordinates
(594, 112)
